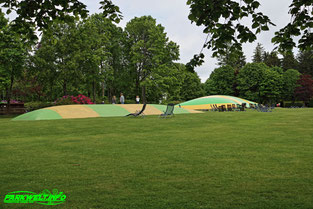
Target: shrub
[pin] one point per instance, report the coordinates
(103, 100)
(298, 104)
(166, 102)
(30, 106)
(67, 100)
(64, 101)
(129, 101)
(311, 103)
(293, 104)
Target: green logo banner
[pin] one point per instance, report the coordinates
(43, 198)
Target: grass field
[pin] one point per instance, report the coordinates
(211, 160)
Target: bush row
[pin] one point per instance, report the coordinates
(288, 104)
(30, 106)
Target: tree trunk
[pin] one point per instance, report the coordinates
(103, 90)
(137, 87)
(109, 95)
(9, 92)
(7, 98)
(51, 90)
(94, 91)
(64, 88)
(143, 94)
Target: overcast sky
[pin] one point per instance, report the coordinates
(173, 15)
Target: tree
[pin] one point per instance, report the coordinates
(116, 75)
(223, 22)
(28, 87)
(258, 54)
(95, 37)
(94, 56)
(300, 25)
(58, 53)
(235, 59)
(13, 52)
(167, 83)
(250, 78)
(221, 81)
(150, 51)
(290, 78)
(289, 61)
(191, 87)
(271, 86)
(271, 59)
(40, 14)
(258, 82)
(305, 59)
(304, 91)
(80, 58)
(45, 69)
(3, 79)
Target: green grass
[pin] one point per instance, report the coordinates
(211, 160)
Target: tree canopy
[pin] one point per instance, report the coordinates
(13, 53)
(304, 90)
(82, 54)
(258, 82)
(223, 22)
(150, 51)
(290, 78)
(33, 14)
(235, 59)
(221, 81)
(305, 59)
(96, 58)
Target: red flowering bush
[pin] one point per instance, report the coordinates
(304, 91)
(80, 99)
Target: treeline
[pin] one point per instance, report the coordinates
(95, 58)
(268, 80)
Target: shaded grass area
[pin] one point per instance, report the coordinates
(210, 160)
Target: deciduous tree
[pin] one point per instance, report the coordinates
(13, 53)
(57, 55)
(271, 86)
(250, 78)
(224, 20)
(304, 91)
(40, 14)
(96, 34)
(290, 78)
(150, 51)
(191, 87)
(221, 81)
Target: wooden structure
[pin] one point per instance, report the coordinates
(17, 108)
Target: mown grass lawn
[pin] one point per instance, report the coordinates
(211, 160)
